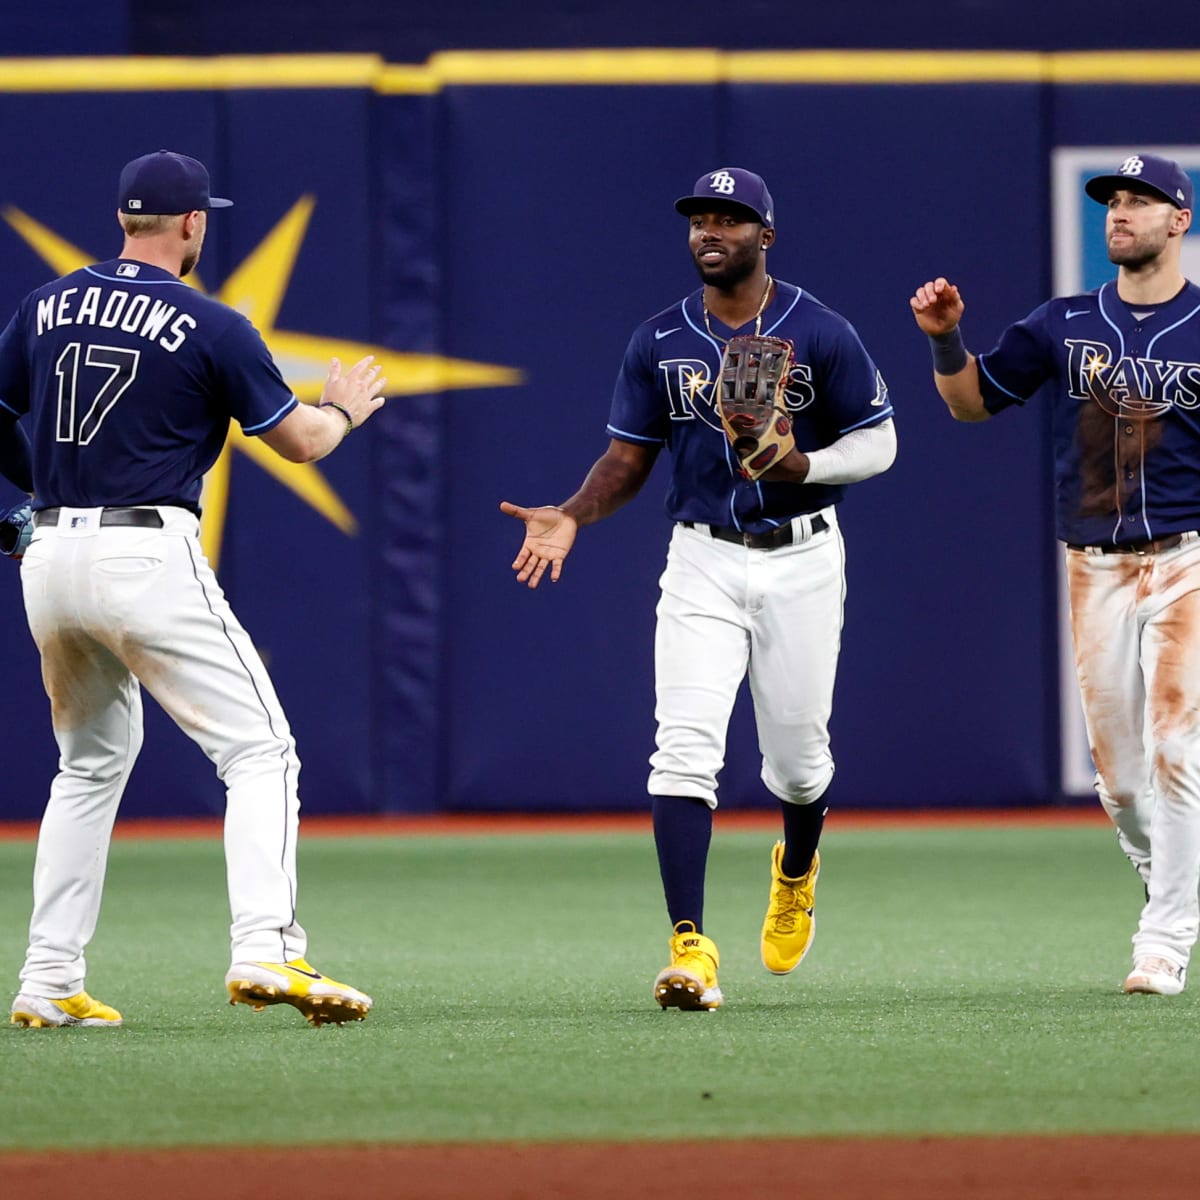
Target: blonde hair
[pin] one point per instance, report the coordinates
(146, 224)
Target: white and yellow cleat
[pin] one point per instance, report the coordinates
(790, 924)
(690, 982)
(322, 1000)
(44, 1012)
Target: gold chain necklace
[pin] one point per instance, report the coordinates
(762, 304)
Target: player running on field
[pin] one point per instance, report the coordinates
(754, 579)
(1120, 368)
(129, 379)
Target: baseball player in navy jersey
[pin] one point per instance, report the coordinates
(754, 580)
(128, 379)
(1120, 369)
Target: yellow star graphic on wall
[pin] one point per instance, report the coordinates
(256, 289)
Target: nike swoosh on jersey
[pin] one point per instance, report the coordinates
(659, 334)
(1077, 312)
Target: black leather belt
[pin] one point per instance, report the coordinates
(758, 541)
(143, 518)
(1149, 547)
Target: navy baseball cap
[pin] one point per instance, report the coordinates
(730, 185)
(165, 183)
(1161, 175)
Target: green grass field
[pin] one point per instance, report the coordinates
(962, 981)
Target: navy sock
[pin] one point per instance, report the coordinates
(802, 825)
(682, 832)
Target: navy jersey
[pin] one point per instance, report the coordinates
(665, 396)
(130, 378)
(1123, 382)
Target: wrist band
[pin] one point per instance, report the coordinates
(342, 409)
(949, 353)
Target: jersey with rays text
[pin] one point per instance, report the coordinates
(665, 396)
(1123, 383)
(130, 378)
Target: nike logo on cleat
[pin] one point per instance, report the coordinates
(301, 971)
(659, 334)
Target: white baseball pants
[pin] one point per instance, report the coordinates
(726, 610)
(109, 606)
(1135, 621)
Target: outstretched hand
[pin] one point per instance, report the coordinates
(549, 536)
(358, 391)
(937, 306)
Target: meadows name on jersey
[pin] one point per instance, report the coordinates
(140, 314)
(128, 378)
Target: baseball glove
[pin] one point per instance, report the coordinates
(16, 528)
(754, 374)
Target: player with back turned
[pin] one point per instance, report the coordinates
(128, 379)
(1120, 369)
(755, 578)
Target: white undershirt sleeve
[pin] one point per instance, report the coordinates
(855, 456)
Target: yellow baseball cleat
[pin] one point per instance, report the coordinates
(690, 982)
(44, 1012)
(322, 1000)
(789, 927)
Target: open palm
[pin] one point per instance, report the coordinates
(549, 536)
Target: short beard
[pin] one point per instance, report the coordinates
(1137, 256)
(190, 259)
(730, 273)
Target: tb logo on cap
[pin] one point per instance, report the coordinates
(723, 182)
(1131, 166)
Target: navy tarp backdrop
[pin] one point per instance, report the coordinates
(496, 243)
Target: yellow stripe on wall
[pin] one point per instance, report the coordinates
(183, 74)
(1140, 66)
(881, 66)
(570, 67)
(579, 66)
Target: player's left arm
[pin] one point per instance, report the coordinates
(855, 456)
(262, 403)
(308, 433)
(854, 398)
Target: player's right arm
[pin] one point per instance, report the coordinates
(14, 454)
(938, 308)
(14, 401)
(615, 478)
